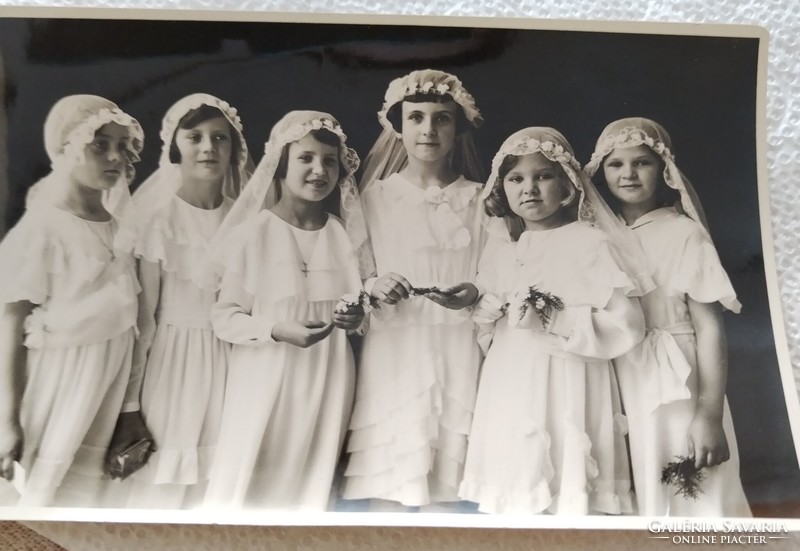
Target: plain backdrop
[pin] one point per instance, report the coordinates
(702, 89)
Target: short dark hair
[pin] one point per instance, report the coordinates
(395, 112)
(496, 203)
(200, 115)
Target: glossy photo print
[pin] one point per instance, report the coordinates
(388, 271)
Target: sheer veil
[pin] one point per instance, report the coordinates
(388, 155)
(260, 193)
(159, 189)
(591, 206)
(636, 131)
(69, 127)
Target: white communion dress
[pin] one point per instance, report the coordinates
(658, 379)
(419, 364)
(80, 338)
(185, 366)
(549, 432)
(286, 408)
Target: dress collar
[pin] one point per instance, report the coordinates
(652, 216)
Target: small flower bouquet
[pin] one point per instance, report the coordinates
(351, 300)
(542, 302)
(684, 476)
(421, 291)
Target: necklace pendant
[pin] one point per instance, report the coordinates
(304, 269)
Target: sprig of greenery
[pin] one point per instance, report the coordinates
(684, 476)
(542, 302)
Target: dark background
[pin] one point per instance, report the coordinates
(702, 89)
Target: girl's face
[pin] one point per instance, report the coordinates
(205, 149)
(312, 170)
(633, 175)
(105, 158)
(429, 130)
(536, 191)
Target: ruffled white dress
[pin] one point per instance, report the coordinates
(419, 364)
(80, 338)
(658, 379)
(286, 408)
(184, 364)
(549, 433)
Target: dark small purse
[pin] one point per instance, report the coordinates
(122, 464)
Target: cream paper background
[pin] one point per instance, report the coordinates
(783, 156)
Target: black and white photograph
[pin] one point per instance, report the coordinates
(253, 270)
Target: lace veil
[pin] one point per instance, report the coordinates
(260, 193)
(636, 131)
(69, 127)
(159, 189)
(591, 206)
(388, 155)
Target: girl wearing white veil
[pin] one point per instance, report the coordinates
(287, 259)
(673, 385)
(548, 432)
(419, 365)
(69, 302)
(181, 365)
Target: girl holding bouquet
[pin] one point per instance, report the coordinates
(549, 433)
(673, 385)
(288, 260)
(419, 364)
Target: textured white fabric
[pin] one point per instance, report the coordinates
(783, 137)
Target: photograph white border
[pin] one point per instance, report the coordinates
(270, 518)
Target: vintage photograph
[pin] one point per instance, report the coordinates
(383, 266)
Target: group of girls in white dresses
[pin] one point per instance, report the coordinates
(522, 346)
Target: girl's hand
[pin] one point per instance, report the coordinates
(391, 288)
(707, 442)
(348, 317)
(488, 310)
(456, 297)
(301, 333)
(11, 442)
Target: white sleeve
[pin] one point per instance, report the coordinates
(150, 280)
(602, 333)
(233, 321)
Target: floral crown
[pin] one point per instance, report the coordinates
(83, 134)
(173, 117)
(298, 131)
(628, 136)
(526, 145)
(430, 81)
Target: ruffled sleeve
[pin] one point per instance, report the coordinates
(170, 238)
(577, 265)
(696, 270)
(61, 263)
(602, 333)
(44, 245)
(29, 255)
